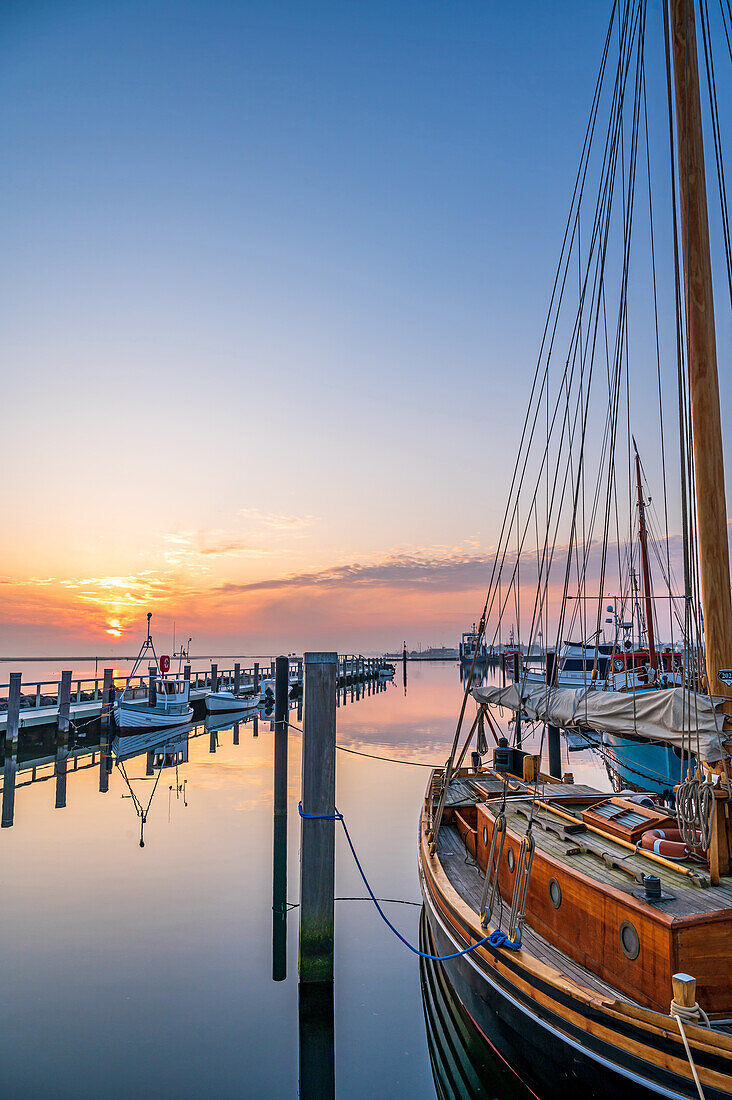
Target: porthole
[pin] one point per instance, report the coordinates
(629, 940)
(485, 835)
(511, 860)
(555, 893)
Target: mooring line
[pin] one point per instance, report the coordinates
(373, 756)
(496, 939)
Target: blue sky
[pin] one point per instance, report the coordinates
(283, 260)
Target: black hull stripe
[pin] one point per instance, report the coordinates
(586, 1040)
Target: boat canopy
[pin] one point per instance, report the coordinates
(664, 714)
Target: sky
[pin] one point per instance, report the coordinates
(274, 280)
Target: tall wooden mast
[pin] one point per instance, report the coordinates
(702, 351)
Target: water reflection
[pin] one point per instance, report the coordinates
(185, 1003)
(464, 1065)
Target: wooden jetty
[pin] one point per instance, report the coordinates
(39, 703)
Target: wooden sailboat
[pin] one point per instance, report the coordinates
(588, 950)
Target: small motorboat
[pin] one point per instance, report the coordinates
(221, 702)
(166, 705)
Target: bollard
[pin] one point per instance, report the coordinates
(317, 843)
(11, 750)
(62, 738)
(237, 675)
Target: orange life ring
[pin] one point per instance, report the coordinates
(669, 842)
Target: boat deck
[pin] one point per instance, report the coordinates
(468, 879)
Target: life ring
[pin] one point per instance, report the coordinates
(669, 842)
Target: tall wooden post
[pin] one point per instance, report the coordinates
(11, 750)
(282, 670)
(105, 759)
(214, 678)
(279, 862)
(517, 680)
(711, 507)
(256, 677)
(553, 732)
(317, 847)
(237, 677)
(236, 733)
(62, 738)
(152, 695)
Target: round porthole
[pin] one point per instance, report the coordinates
(510, 859)
(555, 893)
(485, 835)
(629, 940)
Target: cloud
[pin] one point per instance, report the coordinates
(273, 521)
(449, 570)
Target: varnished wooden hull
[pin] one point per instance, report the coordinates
(563, 1039)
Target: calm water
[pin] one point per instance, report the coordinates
(130, 970)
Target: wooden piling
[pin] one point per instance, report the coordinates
(62, 738)
(236, 733)
(214, 677)
(237, 676)
(553, 733)
(152, 695)
(11, 750)
(282, 671)
(256, 677)
(279, 864)
(105, 760)
(317, 845)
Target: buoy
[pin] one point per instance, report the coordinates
(669, 842)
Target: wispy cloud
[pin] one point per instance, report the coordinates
(273, 521)
(454, 570)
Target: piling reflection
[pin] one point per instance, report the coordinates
(317, 1040)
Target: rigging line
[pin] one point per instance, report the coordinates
(724, 24)
(658, 345)
(619, 80)
(714, 111)
(611, 147)
(576, 194)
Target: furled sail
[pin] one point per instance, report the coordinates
(666, 714)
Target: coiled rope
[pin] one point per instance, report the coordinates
(496, 939)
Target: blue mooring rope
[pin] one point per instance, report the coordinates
(496, 939)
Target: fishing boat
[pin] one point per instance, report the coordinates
(167, 699)
(587, 935)
(473, 649)
(387, 672)
(220, 702)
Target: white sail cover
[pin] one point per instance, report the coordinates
(662, 715)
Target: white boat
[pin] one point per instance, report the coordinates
(221, 702)
(168, 707)
(386, 673)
